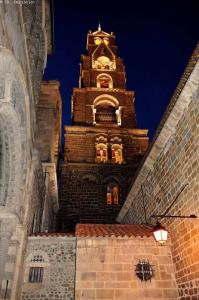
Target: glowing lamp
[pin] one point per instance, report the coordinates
(160, 234)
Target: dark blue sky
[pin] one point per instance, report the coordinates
(155, 39)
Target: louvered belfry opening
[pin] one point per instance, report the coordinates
(106, 114)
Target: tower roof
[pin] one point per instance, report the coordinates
(99, 31)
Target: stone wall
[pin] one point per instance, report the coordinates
(48, 144)
(59, 268)
(49, 117)
(84, 179)
(82, 193)
(134, 142)
(49, 26)
(83, 99)
(106, 269)
(37, 197)
(170, 169)
(51, 204)
(23, 55)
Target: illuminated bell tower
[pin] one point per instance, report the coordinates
(103, 147)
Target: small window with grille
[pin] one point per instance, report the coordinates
(36, 269)
(36, 274)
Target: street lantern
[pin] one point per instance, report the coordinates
(160, 234)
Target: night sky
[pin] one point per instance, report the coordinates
(155, 39)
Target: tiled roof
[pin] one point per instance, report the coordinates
(53, 234)
(101, 230)
(108, 230)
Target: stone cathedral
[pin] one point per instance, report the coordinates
(78, 226)
(103, 147)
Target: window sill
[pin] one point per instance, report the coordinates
(30, 286)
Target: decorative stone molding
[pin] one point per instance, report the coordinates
(14, 118)
(106, 99)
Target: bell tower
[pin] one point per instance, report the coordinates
(102, 73)
(103, 147)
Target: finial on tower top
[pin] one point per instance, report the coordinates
(99, 27)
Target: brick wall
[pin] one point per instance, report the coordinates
(83, 181)
(172, 163)
(23, 53)
(59, 268)
(105, 269)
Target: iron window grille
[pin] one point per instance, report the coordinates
(144, 270)
(36, 274)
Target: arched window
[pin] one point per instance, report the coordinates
(104, 81)
(116, 154)
(105, 114)
(112, 193)
(101, 153)
(105, 110)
